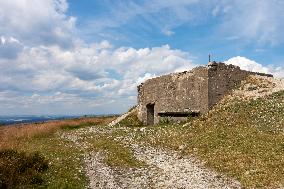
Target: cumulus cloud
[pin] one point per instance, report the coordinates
(37, 22)
(85, 73)
(250, 65)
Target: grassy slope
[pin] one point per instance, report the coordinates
(131, 120)
(65, 160)
(243, 139)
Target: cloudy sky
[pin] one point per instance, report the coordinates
(87, 56)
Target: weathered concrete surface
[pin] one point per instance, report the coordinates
(194, 91)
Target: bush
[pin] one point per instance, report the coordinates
(19, 170)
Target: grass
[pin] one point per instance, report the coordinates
(131, 120)
(10, 135)
(116, 154)
(65, 160)
(243, 139)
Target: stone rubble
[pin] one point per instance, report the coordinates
(249, 91)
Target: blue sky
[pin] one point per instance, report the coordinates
(200, 28)
(88, 56)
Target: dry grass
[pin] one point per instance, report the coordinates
(10, 135)
(65, 160)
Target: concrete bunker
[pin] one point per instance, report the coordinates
(190, 93)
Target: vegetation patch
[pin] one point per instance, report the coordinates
(21, 170)
(10, 136)
(117, 154)
(131, 120)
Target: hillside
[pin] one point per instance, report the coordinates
(240, 143)
(242, 137)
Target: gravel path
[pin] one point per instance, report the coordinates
(164, 169)
(174, 171)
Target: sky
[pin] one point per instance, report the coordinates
(76, 57)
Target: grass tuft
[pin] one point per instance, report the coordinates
(117, 154)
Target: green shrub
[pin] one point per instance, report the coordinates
(20, 170)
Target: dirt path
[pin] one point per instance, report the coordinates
(164, 169)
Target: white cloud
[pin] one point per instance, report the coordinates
(257, 21)
(144, 78)
(250, 65)
(88, 72)
(37, 22)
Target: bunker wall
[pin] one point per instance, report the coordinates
(222, 79)
(186, 91)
